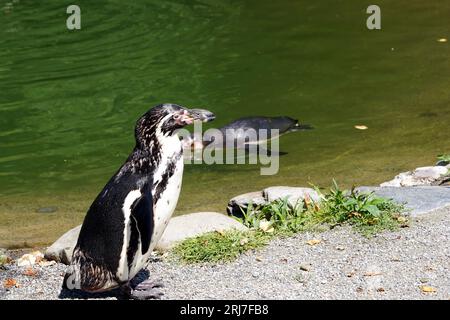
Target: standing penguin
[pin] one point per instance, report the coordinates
(128, 217)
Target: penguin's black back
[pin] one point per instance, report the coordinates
(101, 237)
(281, 123)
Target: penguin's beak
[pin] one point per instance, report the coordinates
(188, 116)
(202, 115)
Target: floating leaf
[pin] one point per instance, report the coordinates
(361, 127)
(313, 242)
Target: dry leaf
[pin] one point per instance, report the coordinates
(313, 242)
(442, 40)
(372, 274)
(9, 283)
(259, 259)
(26, 260)
(30, 272)
(361, 127)
(316, 207)
(304, 268)
(47, 263)
(243, 241)
(427, 289)
(355, 214)
(307, 200)
(266, 226)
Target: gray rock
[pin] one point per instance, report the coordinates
(430, 172)
(194, 224)
(179, 228)
(423, 176)
(420, 200)
(61, 250)
(294, 194)
(241, 202)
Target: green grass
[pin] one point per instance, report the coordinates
(219, 246)
(444, 157)
(366, 212)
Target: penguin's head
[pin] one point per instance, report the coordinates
(165, 119)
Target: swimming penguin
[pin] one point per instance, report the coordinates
(128, 217)
(282, 124)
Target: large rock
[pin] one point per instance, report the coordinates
(420, 200)
(240, 203)
(423, 176)
(61, 250)
(179, 228)
(294, 194)
(194, 224)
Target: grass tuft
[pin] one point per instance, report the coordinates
(366, 212)
(444, 157)
(219, 246)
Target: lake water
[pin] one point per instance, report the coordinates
(69, 99)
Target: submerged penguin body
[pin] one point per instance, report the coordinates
(250, 130)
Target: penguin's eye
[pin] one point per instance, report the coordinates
(183, 118)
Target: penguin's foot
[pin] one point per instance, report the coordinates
(146, 290)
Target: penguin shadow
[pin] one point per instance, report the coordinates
(115, 293)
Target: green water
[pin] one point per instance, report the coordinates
(69, 99)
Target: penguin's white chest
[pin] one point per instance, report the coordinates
(165, 193)
(165, 205)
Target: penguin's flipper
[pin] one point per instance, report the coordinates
(142, 212)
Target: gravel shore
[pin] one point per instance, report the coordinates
(344, 265)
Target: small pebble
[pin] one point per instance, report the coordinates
(304, 268)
